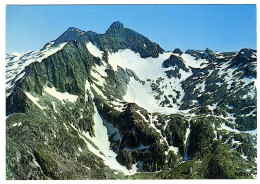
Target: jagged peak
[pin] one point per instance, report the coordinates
(208, 50)
(70, 34)
(177, 51)
(115, 26)
(74, 29)
(247, 51)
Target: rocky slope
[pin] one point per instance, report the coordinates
(117, 106)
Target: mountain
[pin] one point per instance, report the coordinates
(117, 106)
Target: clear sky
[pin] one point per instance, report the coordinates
(219, 27)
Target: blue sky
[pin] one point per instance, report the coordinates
(219, 27)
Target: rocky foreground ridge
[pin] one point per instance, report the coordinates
(117, 106)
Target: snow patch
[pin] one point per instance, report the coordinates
(60, 96)
(101, 141)
(17, 124)
(174, 149)
(34, 100)
(190, 61)
(225, 127)
(94, 50)
(187, 136)
(79, 148)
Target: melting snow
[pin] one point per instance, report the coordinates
(187, 144)
(79, 148)
(144, 68)
(148, 68)
(98, 72)
(60, 96)
(94, 50)
(143, 96)
(212, 107)
(99, 92)
(101, 140)
(141, 147)
(191, 61)
(251, 132)
(225, 127)
(17, 124)
(33, 99)
(174, 149)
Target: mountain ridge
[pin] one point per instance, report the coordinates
(161, 110)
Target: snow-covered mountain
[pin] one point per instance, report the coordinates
(116, 105)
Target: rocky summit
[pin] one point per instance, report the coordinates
(118, 106)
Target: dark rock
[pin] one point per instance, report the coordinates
(177, 51)
(175, 61)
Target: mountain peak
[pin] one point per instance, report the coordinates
(116, 26)
(74, 29)
(71, 29)
(70, 34)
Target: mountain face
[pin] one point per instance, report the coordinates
(117, 106)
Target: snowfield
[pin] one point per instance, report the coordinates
(148, 69)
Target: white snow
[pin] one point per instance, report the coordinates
(98, 91)
(117, 105)
(141, 147)
(236, 142)
(60, 96)
(191, 62)
(201, 87)
(66, 127)
(20, 76)
(251, 132)
(212, 107)
(219, 83)
(174, 149)
(98, 72)
(186, 143)
(87, 86)
(101, 141)
(94, 50)
(148, 68)
(143, 96)
(154, 127)
(138, 112)
(17, 124)
(79, 148)
(144, 68)
(86, 167)
(225, 127)
(33, 99)
(54, 107)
